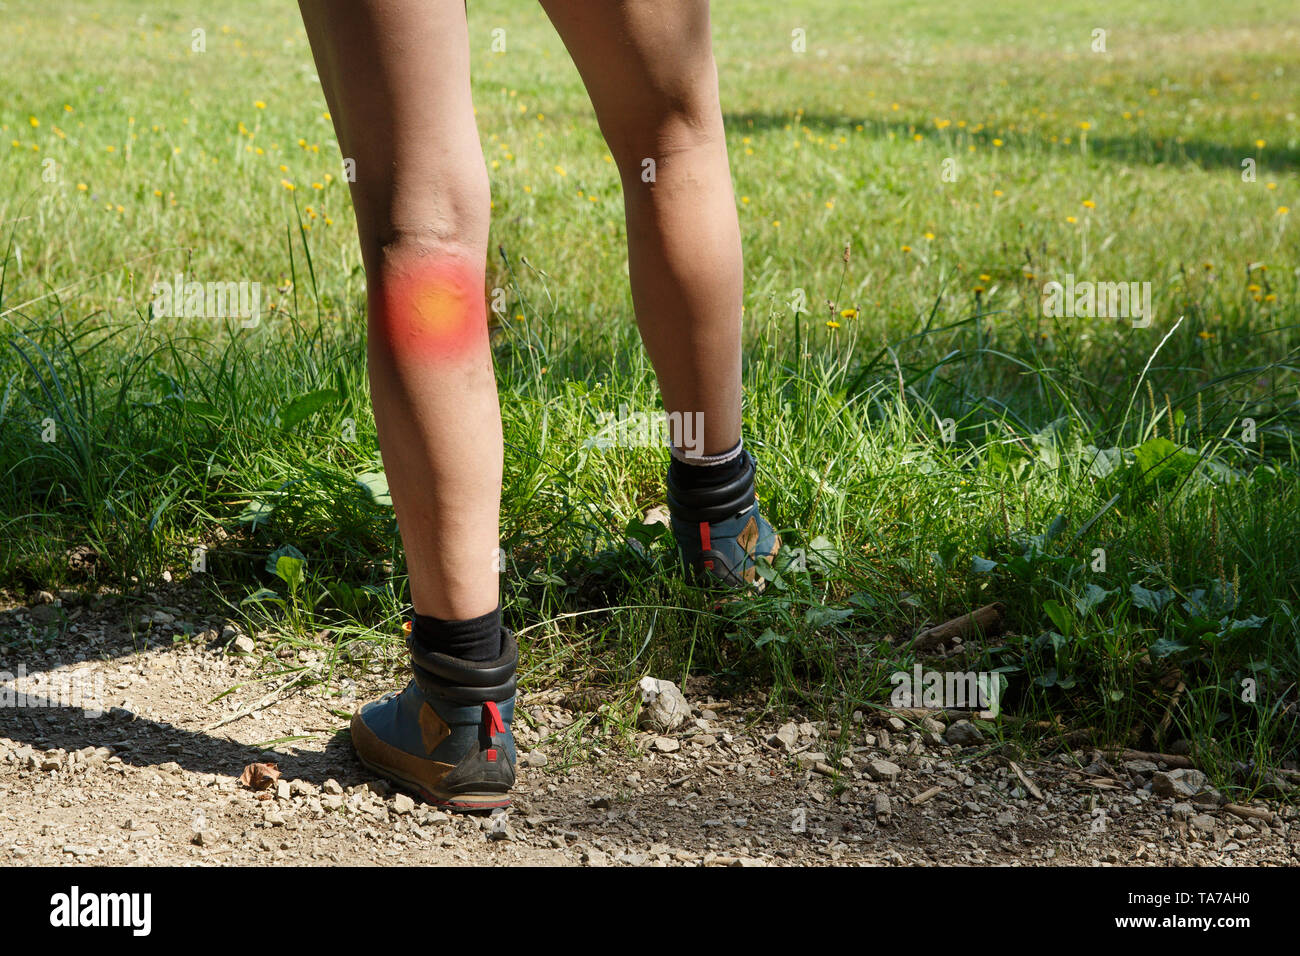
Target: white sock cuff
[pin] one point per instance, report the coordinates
(708, 461)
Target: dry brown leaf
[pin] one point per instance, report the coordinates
(259, 776)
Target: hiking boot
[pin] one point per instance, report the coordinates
(720, 533)
(447, 735)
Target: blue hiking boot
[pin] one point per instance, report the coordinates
(720, 533)
(447, 735)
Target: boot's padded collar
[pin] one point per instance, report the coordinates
(713, 504)
(468, 681)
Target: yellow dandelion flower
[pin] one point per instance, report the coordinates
(1205, 335)
(1259, 144)
(832, 324)
(259, 104)
(830, 204)
(158, 192)
(848, 313)
(1089, 204)
(1085, 126)
(1271, 186)
(560, 171)
(776, 223)
(1283, 210)
(260, 151)
(528, 189)
(1271, 297)
(997, 192)
(997, 142)
(1252, 288)
(284, 168)
(906, 248)
(317, 186)
(979, 290)
(929, 236)
(1071, 219)
(81, 187)
(288, 185)
(34, 121)
(744, 200)
(985, 277)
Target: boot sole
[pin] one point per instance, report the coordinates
(461, 802)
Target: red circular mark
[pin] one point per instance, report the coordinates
(432, 310)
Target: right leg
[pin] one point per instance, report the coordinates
(396, 77)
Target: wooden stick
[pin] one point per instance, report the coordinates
(985, 620)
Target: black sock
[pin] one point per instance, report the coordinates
(475, 639)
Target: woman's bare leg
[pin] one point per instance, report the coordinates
(396, 77)
(648, 67)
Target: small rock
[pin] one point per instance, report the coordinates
(403, 804)
(883, 771)
(1179, 783)
(1204, 822)
(535, 759)
(204, 837)
(962, 733)
(896, 724)
(499, 828)
(663, 706)
(331, 786)
(785, 738)
(666, 745)
(883, 808)
(810, 759)
(243, 645)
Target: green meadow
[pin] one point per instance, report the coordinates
(932, 435)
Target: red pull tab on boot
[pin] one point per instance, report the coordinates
(495, 725)
(705, 542)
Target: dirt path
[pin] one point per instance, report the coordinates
(153, 782)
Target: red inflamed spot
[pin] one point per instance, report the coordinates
(433, 311)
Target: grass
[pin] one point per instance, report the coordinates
(927, 437)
